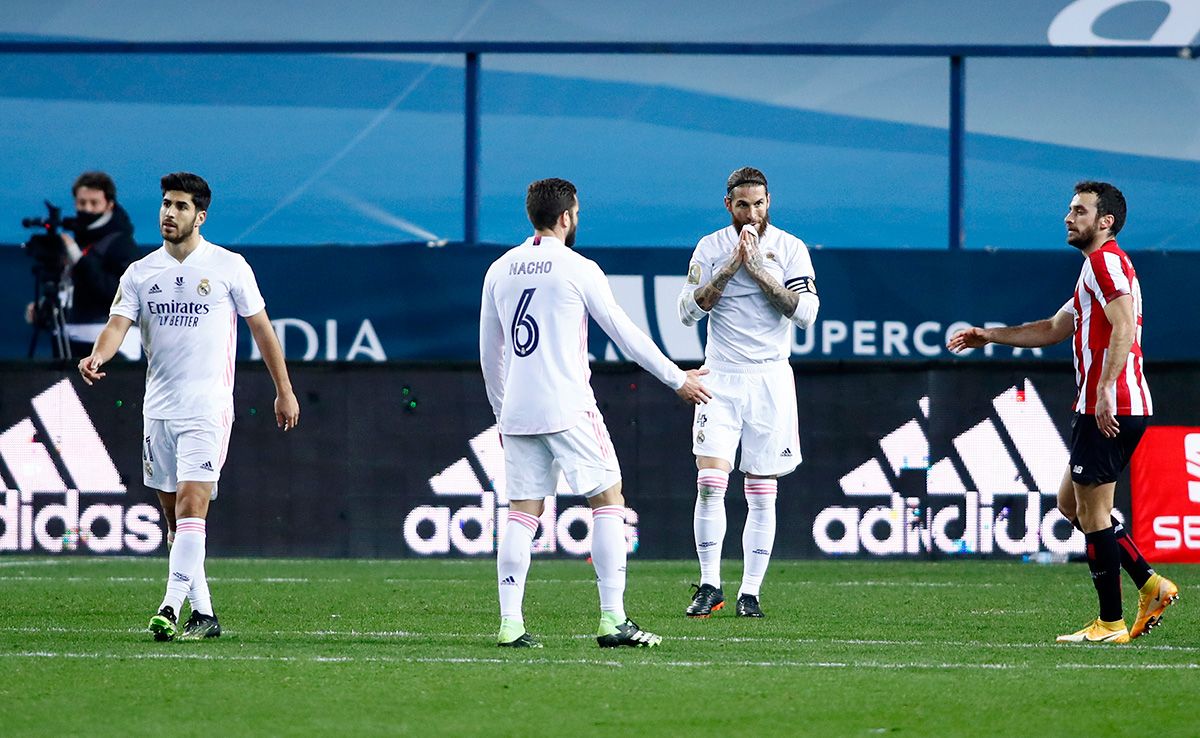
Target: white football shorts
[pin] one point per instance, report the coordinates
(584, 454)
(187, 450)
(753, 405)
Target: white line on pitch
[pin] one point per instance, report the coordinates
(1128, 666)
(215, 580)
(590, 581)
(405, 634)
(503, 661)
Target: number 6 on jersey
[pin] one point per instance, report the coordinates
(522, 319)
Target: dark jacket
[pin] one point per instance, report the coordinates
(107, 253)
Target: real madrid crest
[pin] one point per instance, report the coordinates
(149, 469)
(203, 288)
(700, 437)
(694, 273)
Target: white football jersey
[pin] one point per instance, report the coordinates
(533, 325)
(743, 328)
(188, 314)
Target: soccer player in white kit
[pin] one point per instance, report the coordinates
(754, 282)
(533, 350)
(1112, 407)
(186, 297)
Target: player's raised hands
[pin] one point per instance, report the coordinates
(731, 267)
(693, 391)
(969, 338)
(89, 367)
(748, 246)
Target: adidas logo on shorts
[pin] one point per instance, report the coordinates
(787, 453)
(207, 466)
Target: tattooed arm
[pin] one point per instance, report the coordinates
(779, 297)
(695, 302)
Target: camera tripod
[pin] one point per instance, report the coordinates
(49, 316)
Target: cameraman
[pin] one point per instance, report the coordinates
(94, 260)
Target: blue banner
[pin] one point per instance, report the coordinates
(411, 302)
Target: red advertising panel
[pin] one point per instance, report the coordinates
(1166, 494)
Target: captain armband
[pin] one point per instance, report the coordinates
(802, 285)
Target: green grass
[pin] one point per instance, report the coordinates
(408, 648)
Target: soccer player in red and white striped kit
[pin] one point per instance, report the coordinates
(1112, 406)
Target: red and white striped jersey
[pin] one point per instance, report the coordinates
(1107, 274)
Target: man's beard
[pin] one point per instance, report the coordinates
(181, 235)
(1081, 239)
(569, 241)
(762, 226)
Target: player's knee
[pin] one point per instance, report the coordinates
(760, 502)
(1068, 512)
(191, 499)
(610, 496)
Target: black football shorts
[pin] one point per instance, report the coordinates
(1097, 459)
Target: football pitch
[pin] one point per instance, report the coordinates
(325, 647)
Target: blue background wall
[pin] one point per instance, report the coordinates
(368, 149)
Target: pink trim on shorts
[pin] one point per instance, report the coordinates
(227, 421)
(601, 437)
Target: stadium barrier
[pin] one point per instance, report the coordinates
(391, 460)
(412, 303)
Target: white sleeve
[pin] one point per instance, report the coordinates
(603, 307)
(491, 347)
(126, 302)
(799, 277)
(1068, 307)
(698, 273)
(244, 291)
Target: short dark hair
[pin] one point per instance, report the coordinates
(745, 176)
(1109, 201)
(96, 181)
(193, 184)
(547, 199)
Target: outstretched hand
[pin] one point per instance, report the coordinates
(969, 338)
(692, 390)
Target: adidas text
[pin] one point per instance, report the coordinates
(477, 529)
(50, 515)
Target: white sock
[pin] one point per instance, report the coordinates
(758, 537)
(609, 558)
(187, 558)
(709, 523)
(199, 595)
(512, 563)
